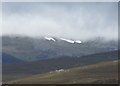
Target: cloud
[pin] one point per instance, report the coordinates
(71, 20)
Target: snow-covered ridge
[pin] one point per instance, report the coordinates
(67, 40)
(78, 41)
(50, 38)
(71, 41)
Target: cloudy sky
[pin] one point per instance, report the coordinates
(82, 20)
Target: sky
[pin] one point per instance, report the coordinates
(75, 20)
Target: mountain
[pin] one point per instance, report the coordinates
(34, 49)
(8, 59)
(11, 72)
(100, 73)
(26, 56)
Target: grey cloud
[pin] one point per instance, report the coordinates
(71, 20)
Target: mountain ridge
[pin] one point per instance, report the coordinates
(31, 49)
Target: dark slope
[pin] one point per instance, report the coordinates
(34, 49)
(9, 59)
(43, 66)
(100, 73)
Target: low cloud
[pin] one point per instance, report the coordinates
(70, 20)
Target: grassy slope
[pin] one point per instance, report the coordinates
(18, 71)
(104, 72)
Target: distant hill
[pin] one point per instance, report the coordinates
(9, 59)
(42, 66)
(34, 49)
(100, 73)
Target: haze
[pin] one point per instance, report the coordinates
(82, 20)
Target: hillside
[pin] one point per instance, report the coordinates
(34, 49)
(100, 73)
(11, 72)
(9, 59)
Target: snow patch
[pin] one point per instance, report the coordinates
(67, 40)
(50, 38)
(71, 41)
(78, 41)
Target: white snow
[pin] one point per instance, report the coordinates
(50, 38)
(71, 41)
(67, 40)
(78, 41)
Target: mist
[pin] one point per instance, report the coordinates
(73, 20)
